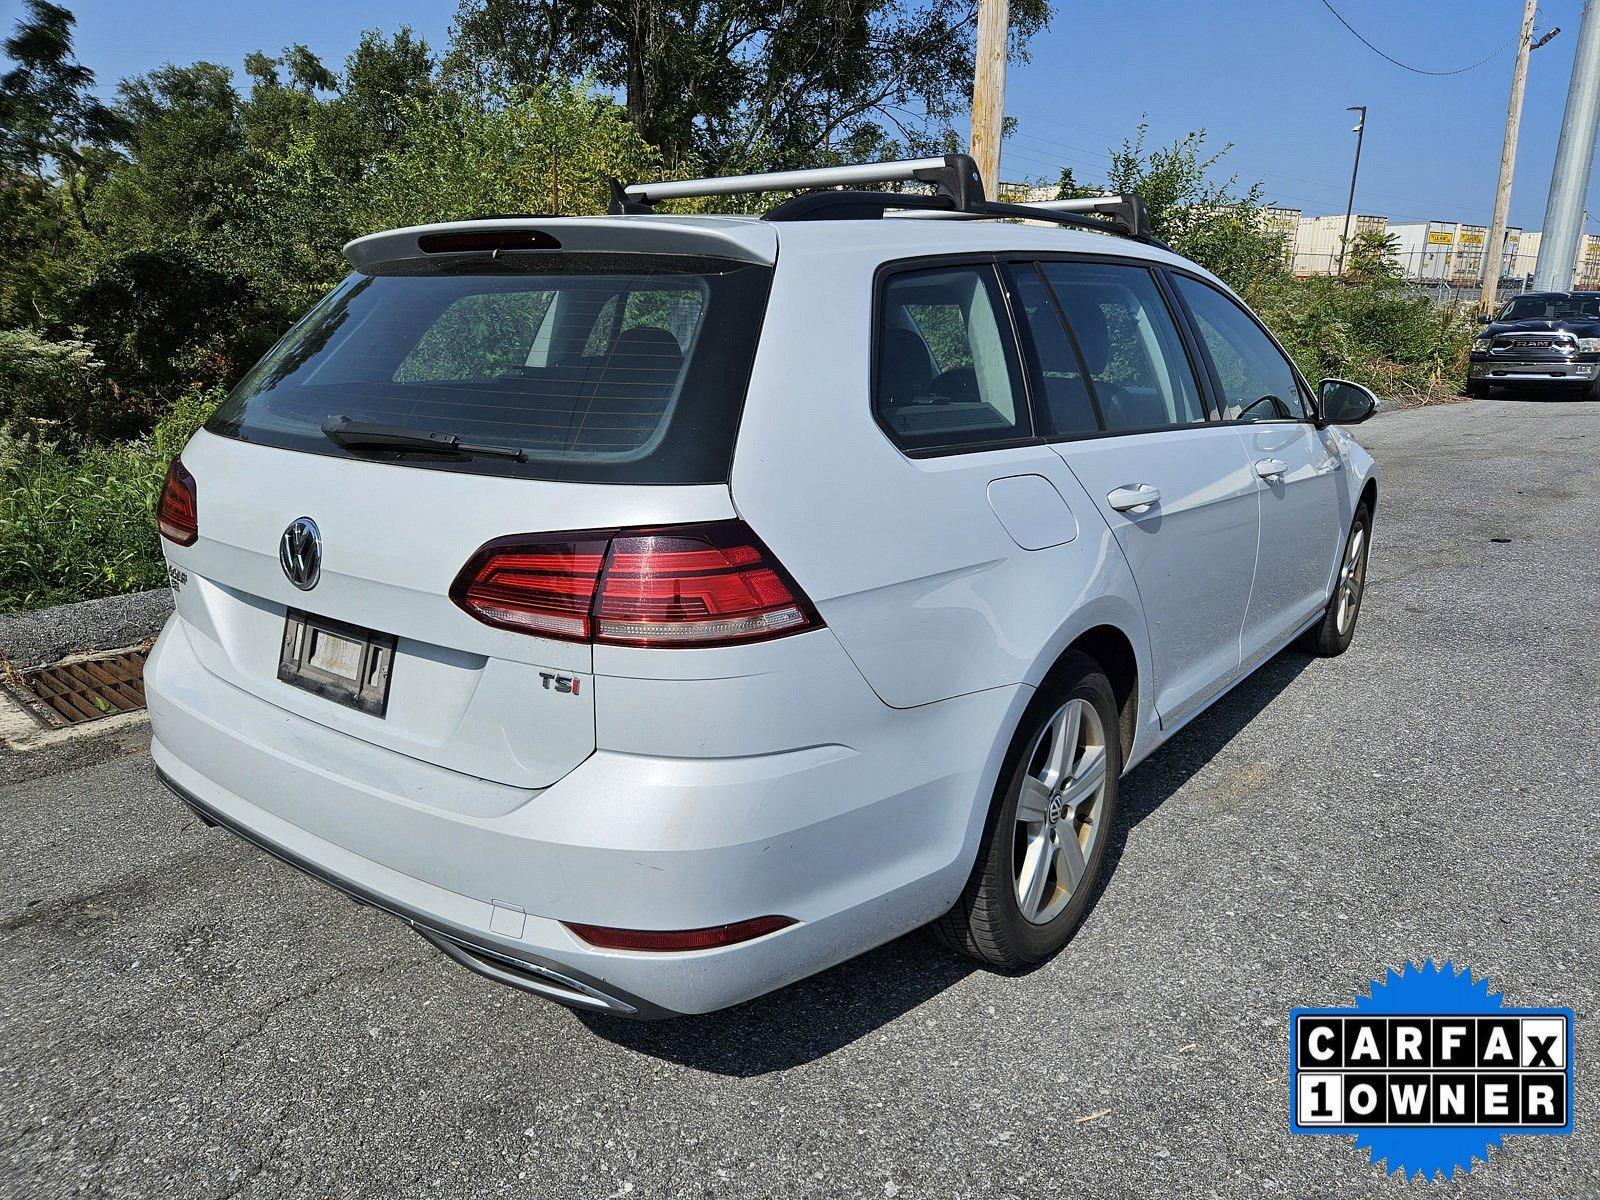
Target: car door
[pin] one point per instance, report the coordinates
(1295, 473)
(1175, 486)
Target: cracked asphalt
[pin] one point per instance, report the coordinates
(181, 1016)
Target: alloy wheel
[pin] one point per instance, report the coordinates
(1352, 578)
(1059, 812)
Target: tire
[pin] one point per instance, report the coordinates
(994, 921)
(1332, 635)
(1475, 389)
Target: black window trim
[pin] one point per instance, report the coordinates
(1004, 263)
(933, 262)
(1308, 396)
(1180, 321)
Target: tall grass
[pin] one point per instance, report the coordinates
(78, 523)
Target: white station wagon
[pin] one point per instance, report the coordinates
(655, 610)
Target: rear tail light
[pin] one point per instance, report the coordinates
(685, 585)
(665, 940)
(177, 512)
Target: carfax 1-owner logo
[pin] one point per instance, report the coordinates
(1430, 1071)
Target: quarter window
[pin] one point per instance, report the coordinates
(1258, 384)
(947, 373)
(1131, 348)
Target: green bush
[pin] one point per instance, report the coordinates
(48, 390)
(78, 523)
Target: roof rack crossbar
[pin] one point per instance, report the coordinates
(1127, 214)
(953, 176)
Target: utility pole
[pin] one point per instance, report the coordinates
(1563, 212)
(1350, 207)
(989, 91)
(1508, 161)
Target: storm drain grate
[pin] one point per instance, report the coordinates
(72, 692)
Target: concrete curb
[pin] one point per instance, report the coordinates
(47, 634)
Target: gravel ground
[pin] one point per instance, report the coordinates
(180, 1016)
(30, 638)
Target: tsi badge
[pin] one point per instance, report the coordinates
(1430, 1071)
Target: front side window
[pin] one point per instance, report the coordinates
(1131, 348)
(1258, 384)
(947, 373)
(605, 369)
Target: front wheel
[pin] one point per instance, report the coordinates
(1475, 388)
(1332, 634)
(1048, 828)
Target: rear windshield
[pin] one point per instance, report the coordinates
(600, 368)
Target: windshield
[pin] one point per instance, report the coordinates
(604, 368)
(1549, 308)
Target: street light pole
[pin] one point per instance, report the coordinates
(1569, 180)
(1350, 207)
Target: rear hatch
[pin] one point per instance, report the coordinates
(584, 388)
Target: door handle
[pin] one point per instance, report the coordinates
(1271, 468)
(1133, 497)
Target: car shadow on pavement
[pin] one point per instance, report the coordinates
(821, 1014)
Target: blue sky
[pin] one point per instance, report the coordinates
(1271, 76)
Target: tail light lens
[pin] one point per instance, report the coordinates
(686, 585)
(177, 512)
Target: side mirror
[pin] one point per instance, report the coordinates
(1484, 318)
(1345, 403)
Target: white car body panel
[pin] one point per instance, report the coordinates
(841, 776)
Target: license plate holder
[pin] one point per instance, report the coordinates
(345, 663)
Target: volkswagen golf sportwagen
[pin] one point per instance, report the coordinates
(653, 610)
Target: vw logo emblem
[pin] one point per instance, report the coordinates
(300, 553)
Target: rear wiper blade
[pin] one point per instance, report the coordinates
(365, 435)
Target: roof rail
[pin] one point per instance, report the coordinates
(954, 177)
(957, 194)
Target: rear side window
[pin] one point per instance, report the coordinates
(1131, 348)
(601, 368)
(947, 374)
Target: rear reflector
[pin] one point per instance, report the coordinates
(666, 940)
(177, 512)
(686, 585)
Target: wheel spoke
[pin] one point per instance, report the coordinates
(1033, 805)
(1069, 857)
(1063, 743)
(1087, 776)
(1035, 874)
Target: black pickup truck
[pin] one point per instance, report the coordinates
(1539, 339)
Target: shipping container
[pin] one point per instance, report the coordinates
(1426, 249)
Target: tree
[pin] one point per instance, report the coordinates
(551, 150)
(54, 139)
(48, 110)
(731, 84)
(1207, 219)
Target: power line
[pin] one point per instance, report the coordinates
(1406, 66)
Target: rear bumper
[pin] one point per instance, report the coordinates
(858, 840)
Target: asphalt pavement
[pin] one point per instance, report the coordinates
(181, 1016)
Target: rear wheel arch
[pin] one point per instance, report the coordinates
(1112, 650)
